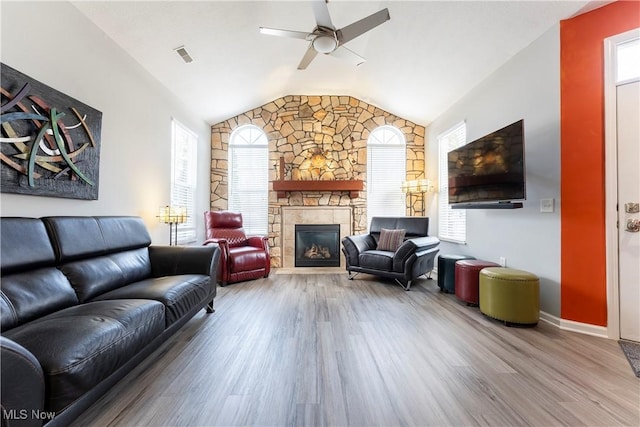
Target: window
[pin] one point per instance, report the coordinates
(249, 177)
(628, 61)
(386, 169)
(452, 224)
(184, 145)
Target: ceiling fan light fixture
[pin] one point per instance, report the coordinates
(326, 39)
(325, 44)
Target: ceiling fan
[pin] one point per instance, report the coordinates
(326, 39)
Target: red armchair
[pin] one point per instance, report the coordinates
(242, 257)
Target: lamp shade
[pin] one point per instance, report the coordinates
(172, 214)
(416, 186)
(423, 185)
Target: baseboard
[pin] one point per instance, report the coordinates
(570, 325)
(308, 270)
(549, 318)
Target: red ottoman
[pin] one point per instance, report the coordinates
(467, 279)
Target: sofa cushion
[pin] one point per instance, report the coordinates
(94, 276)
(235, 237)
(377, 260)
(415, 226)
(134, 264)
(179, 293)
(29, 295)
(82, 345)
(246, 258)
(123, 233)
(76, 238)
(390, 240)
(25, 245)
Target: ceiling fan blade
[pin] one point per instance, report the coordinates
(321, 12)
(348, 55)
(307, 58)
(284, 33)
(360, 27)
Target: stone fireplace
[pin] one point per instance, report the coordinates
(340, 216)
(317, 152)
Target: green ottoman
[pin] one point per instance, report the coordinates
(447, 271)
(510, 295)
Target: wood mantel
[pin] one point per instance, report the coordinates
(282, 186)
(353, 186)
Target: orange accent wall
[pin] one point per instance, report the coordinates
(582, 188)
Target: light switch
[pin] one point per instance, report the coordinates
(546, 205)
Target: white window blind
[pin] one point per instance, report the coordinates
(386, 169)
(452, 223)
(183, 178)
(249, 178)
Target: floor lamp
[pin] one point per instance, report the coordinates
(173, 215)
(416, 186)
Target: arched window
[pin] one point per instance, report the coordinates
(249, 177)
(386, 169)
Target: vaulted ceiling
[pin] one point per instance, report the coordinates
(419, 63)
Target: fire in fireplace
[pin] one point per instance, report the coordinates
(317, 245)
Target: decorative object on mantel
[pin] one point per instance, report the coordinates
(317, 164)
(417, 186)
(353, 186)
(173, 215)
(50, 141)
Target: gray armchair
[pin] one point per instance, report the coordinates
(414, 256)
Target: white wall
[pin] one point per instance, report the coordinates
(527, 87)
(55, 44)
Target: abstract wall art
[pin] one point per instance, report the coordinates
(49, 142)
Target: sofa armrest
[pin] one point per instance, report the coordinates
(425, 242)
(411, 247)
(217, 240)
(260, 242)
(223, 244)
(174, 260)
(353, 246)
(23, 386)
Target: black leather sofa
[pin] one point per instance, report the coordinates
(415, 256)
(83, 301)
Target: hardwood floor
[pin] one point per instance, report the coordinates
(318, 349)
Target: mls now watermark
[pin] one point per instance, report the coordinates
(26, 414)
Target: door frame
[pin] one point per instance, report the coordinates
(611, 179)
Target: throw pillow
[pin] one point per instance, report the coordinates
(391, 240)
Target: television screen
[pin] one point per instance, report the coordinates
(489, 169)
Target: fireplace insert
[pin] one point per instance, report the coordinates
(317, 245)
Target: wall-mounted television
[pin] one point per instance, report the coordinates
(489, 169)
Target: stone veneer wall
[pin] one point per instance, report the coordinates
(300, 128)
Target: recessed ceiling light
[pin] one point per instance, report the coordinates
(184, 54)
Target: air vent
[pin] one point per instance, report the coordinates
(184, 54)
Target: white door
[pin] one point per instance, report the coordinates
(628, 131)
